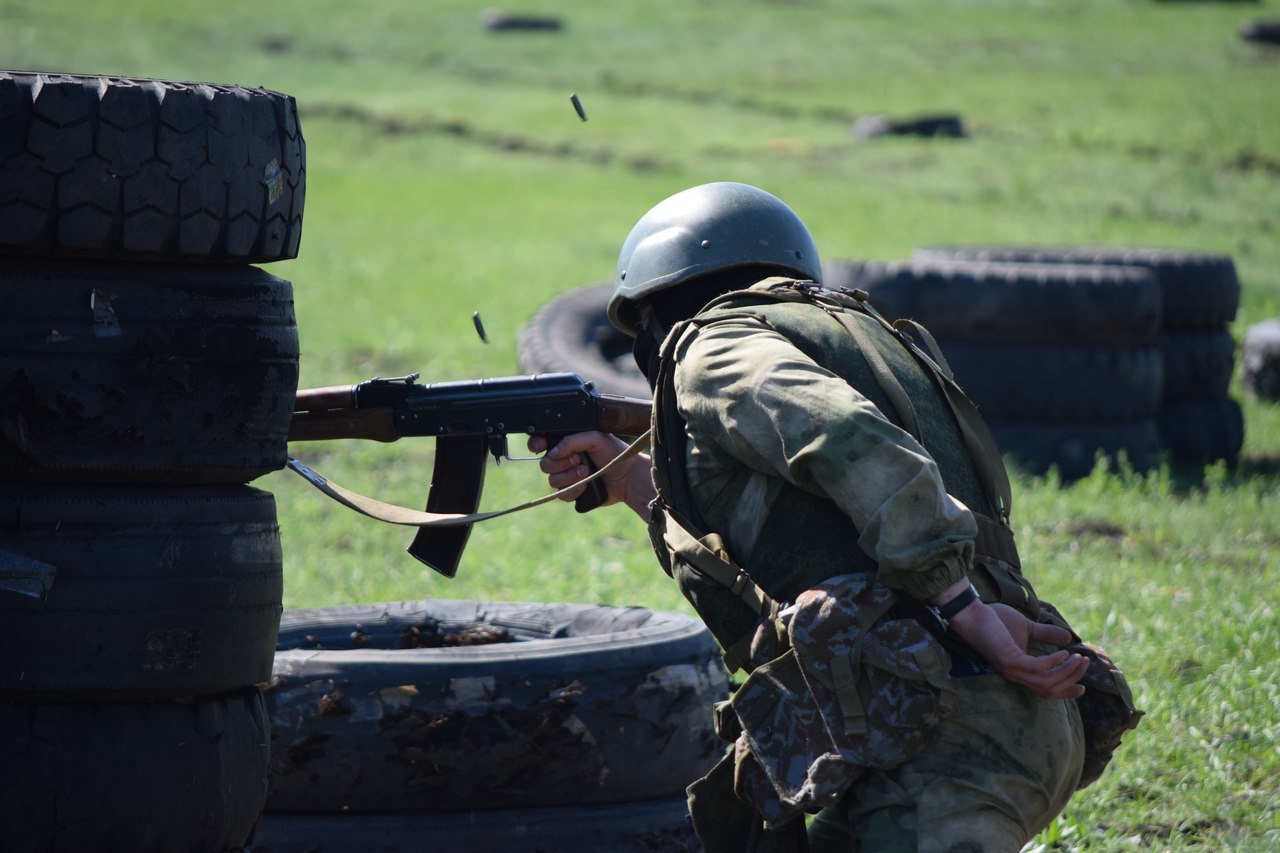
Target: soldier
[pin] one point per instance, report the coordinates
(833, 508)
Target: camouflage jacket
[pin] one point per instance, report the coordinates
(760, 412)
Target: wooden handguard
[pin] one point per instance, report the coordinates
(322, 425)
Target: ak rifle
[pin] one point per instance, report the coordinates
(469, 420)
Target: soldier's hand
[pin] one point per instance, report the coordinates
(1001, 634)
(566, 464)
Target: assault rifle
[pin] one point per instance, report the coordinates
(469, 420)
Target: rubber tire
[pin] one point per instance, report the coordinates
(181, 775)
(844, 273)
(572, 333)
(1016, 302)
(1013, 381)
(120, 168)
(653, 826)
(1262, 32)
(134, 373)
(1260, 359)
(1197, 363)
(1072, 448)
(1200, 290)
(158, 592)
(1202, 431)
(590, 704)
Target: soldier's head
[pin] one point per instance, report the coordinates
(702, 242)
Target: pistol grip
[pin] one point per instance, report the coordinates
(595, 493)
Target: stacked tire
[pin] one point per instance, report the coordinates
(488, 727)
(1198, 422)
(147, 375)
(1063, 361)
(572, 333)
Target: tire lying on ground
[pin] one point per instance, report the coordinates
(1073, 448)
(150, 593)
(120, 168)
(572, 333)
(1197, 363)
(186, 775)
(1199, 290)
(1260, 359)
(1057, 382)
(651, 826)
(409, 706)
(1043, 303)
(1200, 295)
(1202, 430)
(136, 373)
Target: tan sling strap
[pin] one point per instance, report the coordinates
(708, 557)
(395, 514)
(888, 383)
(705, 554)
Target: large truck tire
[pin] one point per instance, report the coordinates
(148, 593)
(1197, 363)
(137, 373)
(1073, 449)
(187, 775)
(433, 705)
(121, 168)
(987, 301)
(1058, 382)
(1199, 290)
(572, 333)
(1202, 430)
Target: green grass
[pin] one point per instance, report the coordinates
(448, 173)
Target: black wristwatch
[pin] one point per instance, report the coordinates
(948, 609)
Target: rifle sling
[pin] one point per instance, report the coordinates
(394, 514)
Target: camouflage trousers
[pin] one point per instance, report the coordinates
(1003, 765)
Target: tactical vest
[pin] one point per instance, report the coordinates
(807, 538)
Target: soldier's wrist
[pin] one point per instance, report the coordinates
(953, 605)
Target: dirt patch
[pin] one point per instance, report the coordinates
(1096, 527)
(432, 635)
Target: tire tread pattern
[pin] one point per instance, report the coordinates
(124, 168)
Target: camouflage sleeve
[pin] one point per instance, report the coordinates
(752, 399)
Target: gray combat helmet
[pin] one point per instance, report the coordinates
(702, 230)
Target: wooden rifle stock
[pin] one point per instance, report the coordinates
(623, 415)
(321, 414)
(371, 424)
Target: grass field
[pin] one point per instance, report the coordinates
(448, 173)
